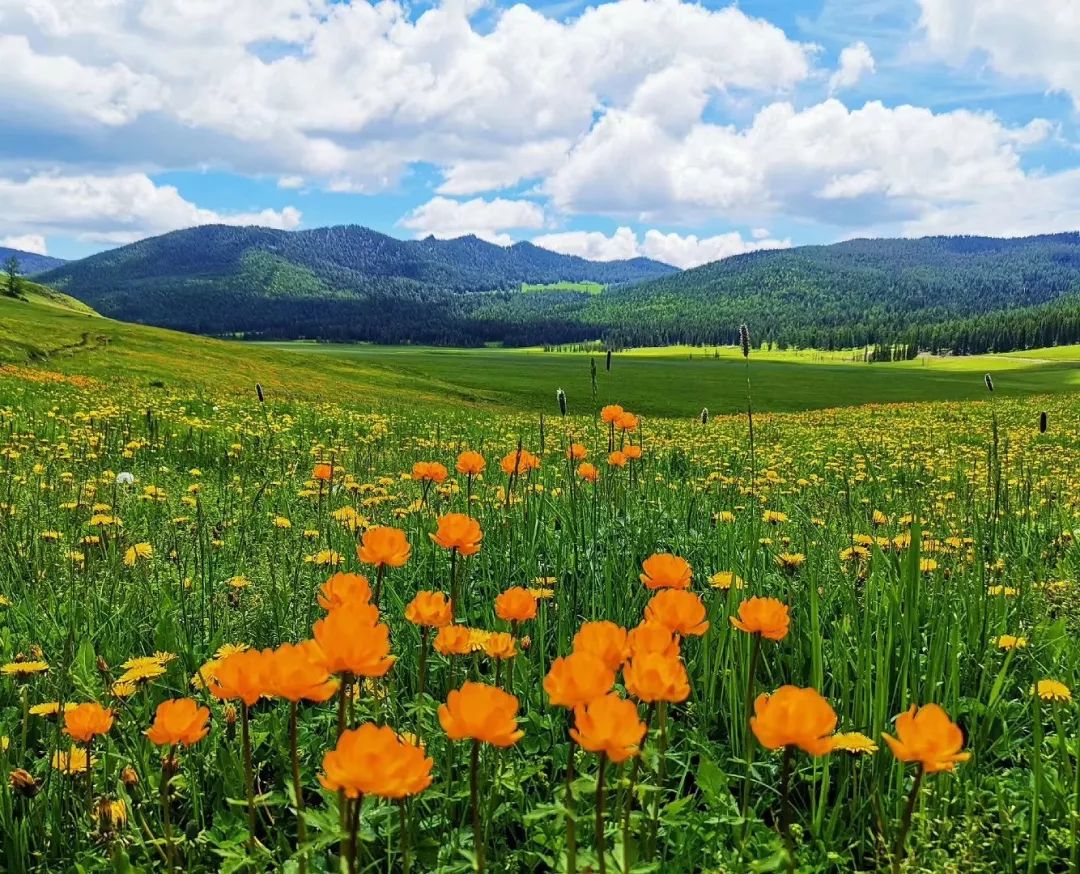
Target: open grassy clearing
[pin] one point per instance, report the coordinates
(672, 383)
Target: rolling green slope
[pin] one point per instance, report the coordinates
(50, 333)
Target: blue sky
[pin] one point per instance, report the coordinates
(684, 132)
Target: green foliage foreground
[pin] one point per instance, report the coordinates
(963, 513)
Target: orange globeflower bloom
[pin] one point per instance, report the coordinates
(609, 725)
(577, 452)
(470, 463)
(627, 422)
(429, 471)
(603, 639)
(519, 462)
(652, 636)
(794, 717)
(610, 414)
(499, 645)
(460, 532)
(179, 721)
(322, 472)
(374, 760)
(343, 588)
(588, 472)
(926, 735)
(653, 676)
(666, 571)
(617, 459)
(679, 610)
(578, 678)
(242, 675)
(633, 452)
(431, 609)
(298, 672)
(765, 616)
(352, 643)
(84, 722)
(482, 713)
(515, 605)
(383, 545)
(453, 640)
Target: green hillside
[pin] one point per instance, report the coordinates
(964, 295)
(49, 332)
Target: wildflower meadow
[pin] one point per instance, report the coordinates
(245, 633)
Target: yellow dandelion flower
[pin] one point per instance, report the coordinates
(1052, 690)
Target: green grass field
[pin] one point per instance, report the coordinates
(679, 382)
(584, 287)
(167, 539)
(676, 382)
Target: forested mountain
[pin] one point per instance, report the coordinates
(961, 294)
(327, 282)
(29, 262)
(933, 293)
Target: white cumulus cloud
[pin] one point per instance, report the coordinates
(1029, 39)
(671, 248)
(488, 219)
(113, 209)
(855, 62)
(26, 243)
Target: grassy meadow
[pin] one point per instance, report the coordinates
(672, 642)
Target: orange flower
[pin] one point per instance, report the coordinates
(460, 532)
(652, 636)
(179, 721)
(794, 717)
(680, 611)
(500, 645)
(588, 472)
(926, 735)
(578, 678)
(299, 672)
(344, 588)
(352, 643)
(605, 640)
(627, 422)
(665, 571)
(515, 605)
(617, 459)
(483, 713)
(609, 725)
(765, 616)
(653, 676)
(242, 675)
(322, 472)
(429, 608)
(374, 760)
(519, 461)
(470, 463)
(577, 452)
(453, 640)
(610, 414)
(86, 721)
(382, 545)
(429, 471)
(633, 452)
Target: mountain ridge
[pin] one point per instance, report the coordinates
(960, 293)
(30, 263)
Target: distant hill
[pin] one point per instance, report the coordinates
(30, 262)
(959, 294)
(962, 294)
(328, 282)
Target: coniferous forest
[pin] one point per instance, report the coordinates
(944, 294)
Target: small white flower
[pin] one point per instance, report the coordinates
(125, 479)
